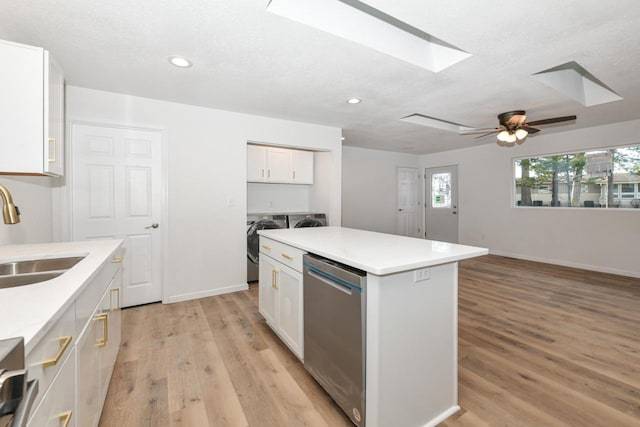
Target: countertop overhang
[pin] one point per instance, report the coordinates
(30, 311)
(375, 253)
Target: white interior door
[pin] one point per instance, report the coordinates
(117, 193)
(441, 209)
(408, 202)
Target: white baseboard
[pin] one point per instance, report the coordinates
(208, 293)
(589, 267)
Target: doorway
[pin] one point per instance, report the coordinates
(117, 192)
(441, 207)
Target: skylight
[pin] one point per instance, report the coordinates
(361, 23)
(419, 119)
(572, 80)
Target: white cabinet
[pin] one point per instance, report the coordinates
(301, 167)
(279, 165)
(97, 352)
(74, 360)
(58, 402)
(31, 111)
(280, 296)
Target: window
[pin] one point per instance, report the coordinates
(607, 178)
(441, 190)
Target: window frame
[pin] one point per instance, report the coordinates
(513, 203)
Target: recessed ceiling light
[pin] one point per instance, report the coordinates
(354, 101)
(180, 62)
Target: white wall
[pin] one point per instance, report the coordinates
(264, 197)
(33, 196)
(206, 247)
(587, 238)
(369, 187)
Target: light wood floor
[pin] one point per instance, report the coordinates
(539, 345)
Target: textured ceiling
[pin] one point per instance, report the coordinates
(248, 60)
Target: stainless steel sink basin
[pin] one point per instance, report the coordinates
(38, 265)
(27, 279)
(28, 272)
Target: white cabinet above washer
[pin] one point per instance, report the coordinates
(279, 165)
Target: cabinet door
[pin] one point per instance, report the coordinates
(256, 163)
(58, 402)
(110, 313)
(89, 402)
(266, 289)
(301, 167)
(21, 108)
(54, 141)
(289, 308)
(278, 165)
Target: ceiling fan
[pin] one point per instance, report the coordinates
(514, 128)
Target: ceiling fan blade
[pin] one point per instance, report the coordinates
(532, 130)
(552, 120)
(479, 130)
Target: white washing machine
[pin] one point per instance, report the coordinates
(301, 220)
(255, 223)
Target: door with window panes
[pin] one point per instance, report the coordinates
(441, 210)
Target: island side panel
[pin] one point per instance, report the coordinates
(412, 342)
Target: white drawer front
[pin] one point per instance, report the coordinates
(287, 255)
(48, 356)
(57, 403)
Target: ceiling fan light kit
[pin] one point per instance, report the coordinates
(515, 128)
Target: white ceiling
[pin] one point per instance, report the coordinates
(248, 60)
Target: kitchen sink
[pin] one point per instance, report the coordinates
(38, 265)
(27, 279)
(28, 272)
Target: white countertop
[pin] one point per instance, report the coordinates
(375, 253)
(30, 311)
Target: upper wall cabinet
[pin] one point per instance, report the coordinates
(279, 165)
(31, 111)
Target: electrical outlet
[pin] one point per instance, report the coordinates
(422, 274)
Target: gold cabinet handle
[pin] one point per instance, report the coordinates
(64, 343)
(287, 256)
(117, 307)
(269, 173)
(65, 418)
(116, 259)
(294, 174)
(104, 317)
(262, 173)
(52, 140)
(275, 279)
(266, 248)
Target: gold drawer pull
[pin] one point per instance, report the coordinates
(274, 279)
(267, 248)
(105, 332)
(287, 256)
(65, 418)
(117, 307)
(116, 259)
(64, 343)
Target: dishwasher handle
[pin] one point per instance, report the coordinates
(334, 284)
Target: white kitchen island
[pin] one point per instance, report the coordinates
(411, 316)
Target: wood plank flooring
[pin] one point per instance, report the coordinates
(539, 345)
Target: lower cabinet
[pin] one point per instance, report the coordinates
(58, 402)
(74, 373)
(280, 302)
(97, 352)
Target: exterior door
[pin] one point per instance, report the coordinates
(117, 193)
(408, 202)
(441, 209)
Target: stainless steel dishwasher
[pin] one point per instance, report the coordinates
(334, 331)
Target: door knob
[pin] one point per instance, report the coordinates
(154, 225)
